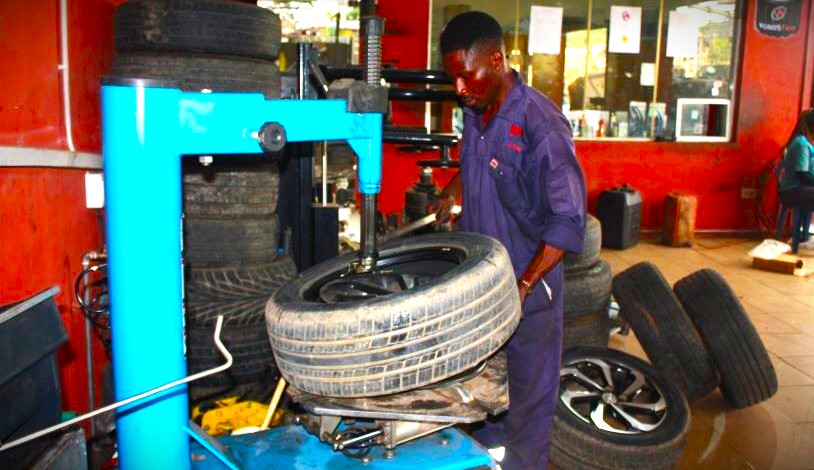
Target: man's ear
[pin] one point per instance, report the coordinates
(498, 59)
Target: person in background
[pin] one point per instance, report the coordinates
(520, 183)
(797, 180)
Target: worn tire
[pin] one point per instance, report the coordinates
(238, 283)
(664, 330)
(248, 344)
(588, 291)
(589, 330)
(223, 243)
(198, 72)
(404, 340)
(228, 194)
(576, 444)
(198, 26)
(592, 244)
(747, 374)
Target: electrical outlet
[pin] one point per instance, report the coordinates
(748, 193)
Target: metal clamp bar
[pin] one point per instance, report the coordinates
(140, 396)
(415, 138)
(420, 94)
(437, 77)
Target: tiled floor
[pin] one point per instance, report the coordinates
(779, 433)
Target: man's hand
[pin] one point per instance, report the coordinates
(442, 208)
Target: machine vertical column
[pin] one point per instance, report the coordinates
(143, 211)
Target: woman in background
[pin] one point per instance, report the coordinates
(797, 178)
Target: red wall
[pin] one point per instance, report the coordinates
(404, 46)
(773, 75)
(45, 226)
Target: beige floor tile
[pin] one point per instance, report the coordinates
(789, 375)
(707, 449)
(781, 446)
(765, 323)
(788, 344)
(796, 402)
(804, 364)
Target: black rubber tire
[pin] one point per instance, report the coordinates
(198, 72)
(576, 444)
(591, 247)
(223, 243)
(747, 374)
(589, 330)
(248, 345)
(588, 291)
(239, 283)
(227, 194)
(664, 330)
(402, 341)
(199, 26)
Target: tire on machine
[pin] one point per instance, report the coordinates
(464, 307)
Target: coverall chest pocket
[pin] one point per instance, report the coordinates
(509, 182)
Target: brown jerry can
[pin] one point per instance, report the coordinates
(679, 219)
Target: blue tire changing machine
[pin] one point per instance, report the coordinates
(147, 129)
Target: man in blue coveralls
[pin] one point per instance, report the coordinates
(520, 183)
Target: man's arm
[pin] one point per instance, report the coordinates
(544, 261)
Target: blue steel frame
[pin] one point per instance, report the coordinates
(146, 130)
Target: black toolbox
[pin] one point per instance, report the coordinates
(31, 331)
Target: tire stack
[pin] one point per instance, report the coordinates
(230, 204)
(587, 292)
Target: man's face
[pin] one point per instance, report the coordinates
(475, 73)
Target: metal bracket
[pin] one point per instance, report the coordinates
(213, 446)
(362, 98)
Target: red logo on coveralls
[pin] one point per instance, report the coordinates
(515, 130)
(493, 163)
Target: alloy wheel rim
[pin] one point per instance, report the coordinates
(612, 396)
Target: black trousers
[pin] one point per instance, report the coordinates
(801, 196)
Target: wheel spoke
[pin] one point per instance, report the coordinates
(633, 421)
(598, 418)
(605, 371)
(568, 396)
(638, 382)
(656, 407)
(582, 378)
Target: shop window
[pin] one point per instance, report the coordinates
(624, 66)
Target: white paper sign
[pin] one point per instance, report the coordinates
(647, 76)
(625, 29)
(682, 34)
(545, 30)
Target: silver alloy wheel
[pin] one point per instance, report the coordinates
(612, 396)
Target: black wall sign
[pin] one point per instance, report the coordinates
(778, 18)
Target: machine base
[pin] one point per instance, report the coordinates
(293, 448)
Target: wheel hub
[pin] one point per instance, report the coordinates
(609, 398)
(391, 275)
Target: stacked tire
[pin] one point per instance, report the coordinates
(230, 205)
(587, 292)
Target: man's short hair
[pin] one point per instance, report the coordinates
(469, 29)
